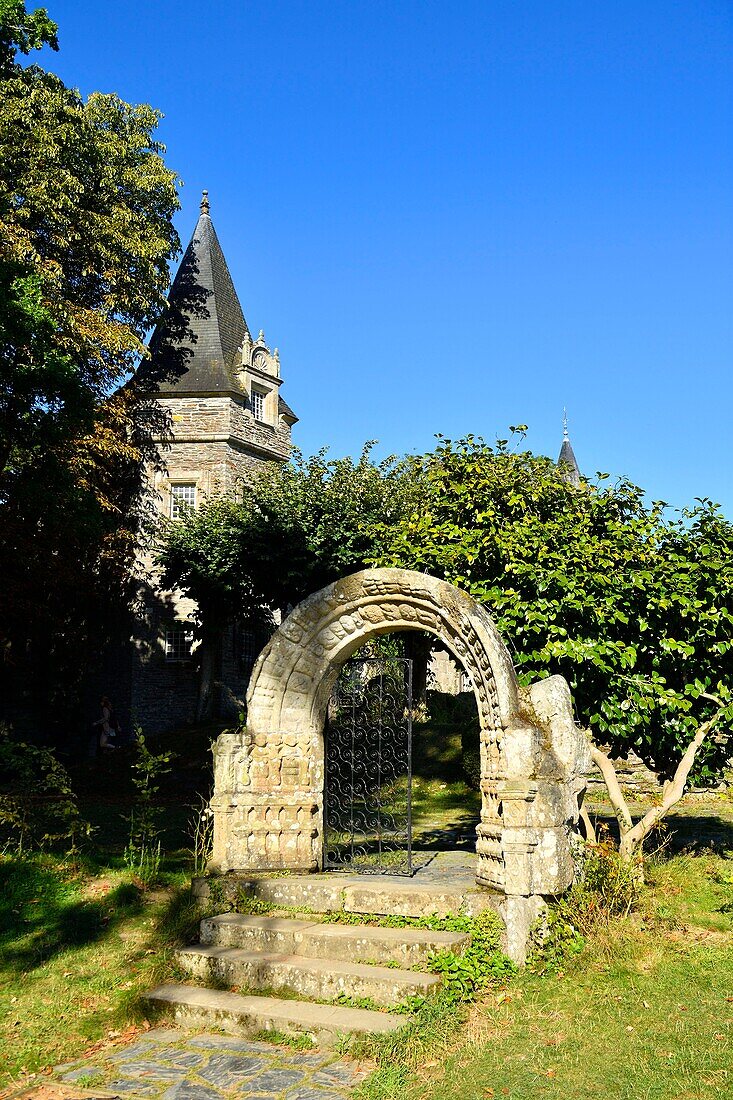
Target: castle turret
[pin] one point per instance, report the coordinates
(204, 327)
(222, 390)
(220, 385)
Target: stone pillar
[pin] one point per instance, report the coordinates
(489, 850)
(267, 812)
(539, 807)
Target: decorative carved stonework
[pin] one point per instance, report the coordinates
(268, 805)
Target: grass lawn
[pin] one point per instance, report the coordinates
(77, 947)
(645, 1011)
(79, 941)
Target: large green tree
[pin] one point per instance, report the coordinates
(632, 604)
(22, 31)
(294, 528)
(86, 236)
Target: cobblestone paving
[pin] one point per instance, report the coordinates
(179, 1065)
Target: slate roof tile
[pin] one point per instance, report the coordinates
(203, 299)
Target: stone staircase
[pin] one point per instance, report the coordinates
(287, 971)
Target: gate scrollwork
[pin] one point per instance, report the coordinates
(368, 789)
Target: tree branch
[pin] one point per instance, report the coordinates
(590, 832)
(607, 770)
(673, 790)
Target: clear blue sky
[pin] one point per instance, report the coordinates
(456, 216)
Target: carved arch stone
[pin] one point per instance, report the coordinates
(268, 800)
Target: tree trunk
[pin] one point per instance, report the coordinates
(673, 792)
(208, 706)
(633, 835)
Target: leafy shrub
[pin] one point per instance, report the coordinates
(608, 887)
(38, 808)
(465, 974)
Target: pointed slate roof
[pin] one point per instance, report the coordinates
(203, 301)
(567, 461)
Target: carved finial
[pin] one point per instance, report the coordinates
(276, 354)
(565, 424)
(261, 337)
(205, 202)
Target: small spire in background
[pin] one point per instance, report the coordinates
(205, 202)
(567, 462)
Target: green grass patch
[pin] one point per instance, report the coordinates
(283, 1039)
(641, 1010)
(77, 950)
(645, 1009)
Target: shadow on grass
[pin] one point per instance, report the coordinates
(437, 740)
(178, 923)
(453, 836)
(41, 914)
(679, 832)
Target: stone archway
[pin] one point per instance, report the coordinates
(268, 800)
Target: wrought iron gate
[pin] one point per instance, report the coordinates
(368, 786)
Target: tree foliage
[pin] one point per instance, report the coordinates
(86, 235)
(294, 528)
(631, 603)
(634, 606)
(22, 31)
(85, 224)
(38, 807)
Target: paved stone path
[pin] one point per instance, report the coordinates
(181, 1065)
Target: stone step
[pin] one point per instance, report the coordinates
(335, 892)
(410, 947)
(194, 1006)
(322, 979)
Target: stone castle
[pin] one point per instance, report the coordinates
(227, 414)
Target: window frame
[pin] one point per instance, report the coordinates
(258, 400)
(173, 650)
(177, 499)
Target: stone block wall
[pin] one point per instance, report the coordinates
(216, 444)
(269, 441)
(198, 416)
(163, 694)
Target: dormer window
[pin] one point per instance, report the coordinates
(258, 404)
